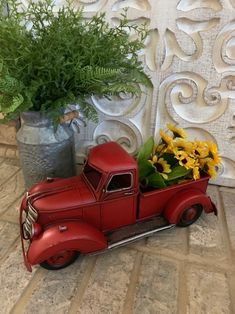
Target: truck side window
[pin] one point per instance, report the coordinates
(120, 182)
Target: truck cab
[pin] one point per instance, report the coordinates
(101, 209)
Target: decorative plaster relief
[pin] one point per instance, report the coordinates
(187, 5)
(199, 133)
(141, 5)
(224, 49)
(167, 25)
(202, 102)
(122, 105)
(123, 132)
(231, 130)
(91, 5)
(190, 99)
(227, 168)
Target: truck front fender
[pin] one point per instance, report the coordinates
(184, 199)
(69, 235)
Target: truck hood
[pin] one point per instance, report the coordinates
(61, 194)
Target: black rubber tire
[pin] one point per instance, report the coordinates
(49, 265)
(183, 222)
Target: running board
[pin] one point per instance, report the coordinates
(138, 237)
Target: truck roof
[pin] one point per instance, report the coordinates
(111, 157)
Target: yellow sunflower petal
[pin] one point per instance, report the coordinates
(182, 144)
(200, 149)
(166, 138)
(196, 173)
(178, 132)
(165, 165)
(154, 159)
(213, 152)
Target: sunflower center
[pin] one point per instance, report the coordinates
(184, 161)
(159, 167)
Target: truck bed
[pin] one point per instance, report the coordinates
(153, 202)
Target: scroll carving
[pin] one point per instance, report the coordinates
(224, 49)
(122, 105)
(162, 44)
(187, 95)
(120, 131)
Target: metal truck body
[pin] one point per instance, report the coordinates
(101, 209)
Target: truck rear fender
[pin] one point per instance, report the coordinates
(70, 235)
(184, 199)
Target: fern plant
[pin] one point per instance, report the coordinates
(48, 60)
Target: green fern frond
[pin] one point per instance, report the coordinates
(16, 102)
(9, 104)
(9, 85)
(88, 109)
(95, 73)
(140, 77)
(65, 54)
(116, 89)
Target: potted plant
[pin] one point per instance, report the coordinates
(175, 159)
(51, 59)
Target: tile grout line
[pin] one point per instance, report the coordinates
(10, 177)
(24, 299)
(231, 285)
(182, 289)
(224, 226)
(230, 275)
(227, 189)
(196, 259)
(76, 300)
(128, 307)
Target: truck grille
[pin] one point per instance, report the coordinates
(31, 218)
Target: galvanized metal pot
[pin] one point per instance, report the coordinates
(44, 152)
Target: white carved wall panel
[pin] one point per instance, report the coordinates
(190, 56)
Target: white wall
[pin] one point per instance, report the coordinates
(190, 56)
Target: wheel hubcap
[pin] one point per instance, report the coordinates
(61, 258)
(190, 214)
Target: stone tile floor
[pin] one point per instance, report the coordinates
(177, 271)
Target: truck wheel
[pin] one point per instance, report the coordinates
(190, 215)
(60, 260)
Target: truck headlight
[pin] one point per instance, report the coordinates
(36, 230)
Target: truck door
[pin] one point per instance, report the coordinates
(119, 201)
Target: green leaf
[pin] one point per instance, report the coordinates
(146, 149)
(145, 168)
(178, 172)
(170, 158)
(155, 180)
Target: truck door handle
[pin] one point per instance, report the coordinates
(128, 193)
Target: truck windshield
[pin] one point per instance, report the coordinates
(92, 175)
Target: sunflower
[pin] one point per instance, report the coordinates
(166, 139)
(177, 132)
(213, 152)
(200, 149)
(160, 149)
(181, 144)
(209, 166)
(185, 160)
(161, 166)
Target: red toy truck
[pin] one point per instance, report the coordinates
(101, 209)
